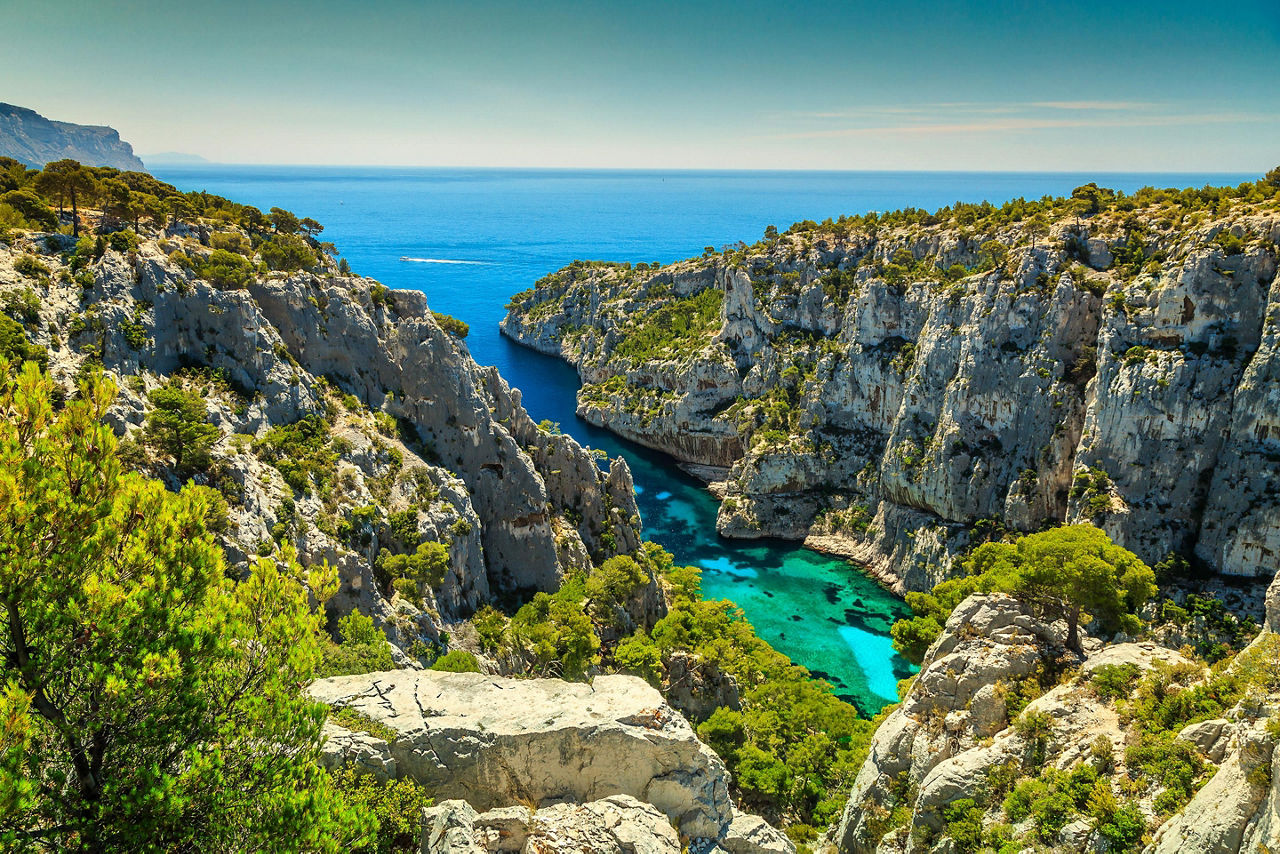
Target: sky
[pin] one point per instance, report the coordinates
(1150, 85)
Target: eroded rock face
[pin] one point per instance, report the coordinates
(881, 420)
(1239, 809)
(495, 742)
(415, 425)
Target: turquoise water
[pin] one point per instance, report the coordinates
(479, 236)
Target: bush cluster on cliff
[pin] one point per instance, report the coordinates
(1074, 573)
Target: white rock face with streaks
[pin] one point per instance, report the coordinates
(466, 461)
(619, 824)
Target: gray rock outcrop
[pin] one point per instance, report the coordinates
(1238, 810)
(750, 834)
(411, 429)
(954, 729)
(619, 824)
(955, 703)
(497, 742)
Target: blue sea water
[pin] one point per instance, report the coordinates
(477, 236)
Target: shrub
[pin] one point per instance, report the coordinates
(491, 625)
(452, 325)
(676, 329)
(638, 656)
(226, 270)
(397, 806)
(457, 661)
(1114, 681)
(1166, 761)
(135, 334)
(123, 241)
(15, 347)
(1230, 243)
(178, 425)
(364, 649)
(288, 253)
(22, 305)
(611, 584)
(913, 636)
(427, 565)
(29, 266)
(34, 212)
(302, 452)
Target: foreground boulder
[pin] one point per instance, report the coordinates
(496, 742)
(616, 825)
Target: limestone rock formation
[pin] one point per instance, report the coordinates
(496, 742)
(750, 834)
(619, 824)
(411, 440)
(953, 730)
(955, 703)
(30, 138)
(953, 740)
(1238, 811)
(871, 400)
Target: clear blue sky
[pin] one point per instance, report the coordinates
(910, 84)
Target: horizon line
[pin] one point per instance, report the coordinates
(740, 170)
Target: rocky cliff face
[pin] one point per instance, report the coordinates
(393, 436)
(964, 736)
(30, 138)
(884, 389)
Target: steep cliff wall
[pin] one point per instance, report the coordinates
(30, 138)
(888, 388)
(391, 435)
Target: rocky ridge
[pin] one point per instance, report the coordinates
(30, 138)
(405, 427)
(881, 390)
(959, 734)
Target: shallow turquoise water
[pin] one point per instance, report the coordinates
(515, 226)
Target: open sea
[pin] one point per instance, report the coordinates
(470, 238)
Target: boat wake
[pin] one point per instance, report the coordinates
(410, 260)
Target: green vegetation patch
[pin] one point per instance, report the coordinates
(675, 330)
(302, 452)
